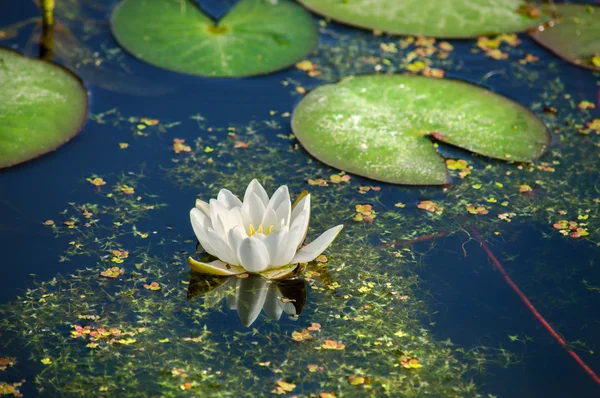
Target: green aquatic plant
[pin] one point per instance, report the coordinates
(574, 35)
(130, 318)
(47, 7)
(66, 40)
(498, 187)
(259, 235)
(371, 308)
(42, 106)
(255, 37)
(455, 19)
(370, 270)
(159, 340)
(376, 126)
(47, 37)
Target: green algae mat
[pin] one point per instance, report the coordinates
(377, 126)
(255, 37)
(449, 19)
(575, 35)
(42, 106)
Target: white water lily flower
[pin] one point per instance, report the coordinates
(256, 235)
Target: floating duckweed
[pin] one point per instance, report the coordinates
(378, 329)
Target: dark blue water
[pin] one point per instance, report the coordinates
(469, 301)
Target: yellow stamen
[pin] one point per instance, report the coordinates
(260, 230)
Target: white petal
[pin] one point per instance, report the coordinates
(234, 218)
(299, 228)
(251, 296)
(219, 227)
(221, 248)
(203, 207)
(281, 195)
(304, 204)
(228, 199)
(255, 187)
(269, 219)
(318, 246)
(228, 223)
(199, 219)
(237, 216)
(271, 305)
(255, 208)
(273, 243)
(283, 213)
(216, 267)
(217, 208)
(289, 245)
(218, 217)
(200, 224)
(260, 237)
(253, 255)
(235, 237)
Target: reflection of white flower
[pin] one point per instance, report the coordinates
(258, 235)
(248, 296)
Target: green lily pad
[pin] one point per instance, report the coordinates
(377, 126)
(255, 37)
(575, 35)
(42, 106)
(449, 19)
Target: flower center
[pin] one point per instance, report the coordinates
(260, 230)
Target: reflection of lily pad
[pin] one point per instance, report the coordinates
(376, 126)
(451, 18)
(41, 107)
(575, 35)
(255, 37)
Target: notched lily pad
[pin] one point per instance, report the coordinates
(255, 37)
(449, 19)
(377, 126)
(574, 35)
(42, 106)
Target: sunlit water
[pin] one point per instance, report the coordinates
(386, 294)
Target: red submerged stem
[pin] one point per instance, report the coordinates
(524, 298)
(418, 239)
(424, 238)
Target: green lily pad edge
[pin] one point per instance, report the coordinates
(255, 37)
(42, 106)
(380, 126)
(455, 19)
(574, 35)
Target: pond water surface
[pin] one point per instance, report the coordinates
(410, 285)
